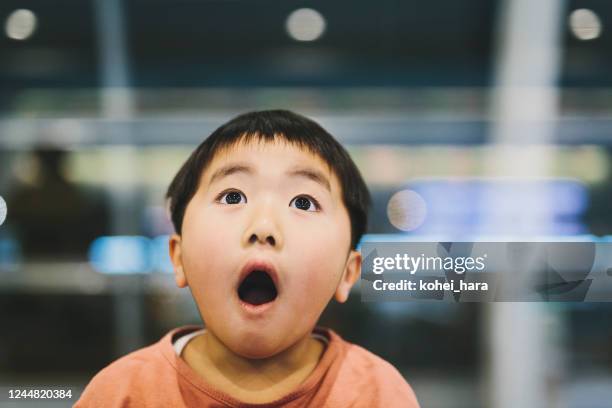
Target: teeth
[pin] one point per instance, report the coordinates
(257, 288)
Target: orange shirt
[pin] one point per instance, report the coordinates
(346, 376)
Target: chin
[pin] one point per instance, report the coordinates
(256, 348)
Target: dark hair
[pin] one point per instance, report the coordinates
(268, 125)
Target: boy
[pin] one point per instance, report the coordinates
(268, 212)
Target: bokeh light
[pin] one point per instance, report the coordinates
(406, 210)
(585, 24)
(20, 24)
(305, 25)
(3, 210)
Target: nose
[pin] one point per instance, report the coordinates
(264, 227)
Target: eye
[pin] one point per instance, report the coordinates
(305, 203)
(232, 197)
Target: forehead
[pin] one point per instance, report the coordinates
(270, 157)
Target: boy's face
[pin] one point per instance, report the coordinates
(265, 245)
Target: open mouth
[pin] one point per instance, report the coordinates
(257, 288)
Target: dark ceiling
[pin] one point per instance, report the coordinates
(244, 43)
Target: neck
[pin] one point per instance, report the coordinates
(253, 380)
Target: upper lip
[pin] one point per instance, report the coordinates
(258, 265)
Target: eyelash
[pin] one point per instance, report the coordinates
(226, 192)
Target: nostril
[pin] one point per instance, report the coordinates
(269, 239)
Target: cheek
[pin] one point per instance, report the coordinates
(320, 252)
(205, 240)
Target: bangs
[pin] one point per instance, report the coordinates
(258, 138)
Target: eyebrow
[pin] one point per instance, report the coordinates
(311, 174)
(230, 169)
(303, 172)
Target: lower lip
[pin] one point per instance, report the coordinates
(256, 309)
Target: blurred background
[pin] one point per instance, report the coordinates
(478, 119)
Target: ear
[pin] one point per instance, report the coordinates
(352, 270)
(174, 246)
